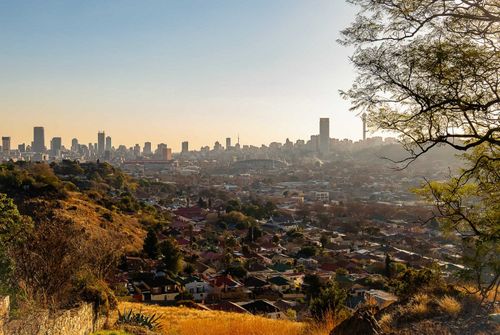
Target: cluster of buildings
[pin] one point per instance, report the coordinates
(274, 284)
(320, 145)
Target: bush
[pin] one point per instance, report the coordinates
(449, 305)
(330, 300)
(97, 292)
(107, 216)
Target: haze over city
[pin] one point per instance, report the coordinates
(167, 71)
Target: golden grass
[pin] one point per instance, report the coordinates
(449, 305)
(88, 215)
(386, 322)
(418, 309)
(187, 321)
(422, 298)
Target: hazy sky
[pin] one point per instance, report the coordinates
(168, 71)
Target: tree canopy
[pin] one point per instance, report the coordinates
(429, 71)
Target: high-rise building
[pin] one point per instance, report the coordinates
(107, 146)
(363, 117)
(185, 147)
(75, 147)
(101, 139)
(21, 147)
(228, 143)
(55, 146)
(6, 144)
(147, 148)
(137, 150)
(324, 135)
(38, 140)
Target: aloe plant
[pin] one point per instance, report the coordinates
(139, 319)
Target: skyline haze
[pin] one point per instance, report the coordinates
(168, 72)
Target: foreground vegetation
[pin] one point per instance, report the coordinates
(188, 321)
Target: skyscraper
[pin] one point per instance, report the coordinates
(324, 135)
(100, 143)
(363, 117)
(74, 145)
(108, 143)
(55, 146)
(6, 144)
(147, 148)
(228, 143)
(185, 147)
(38, 140)
(137, 150)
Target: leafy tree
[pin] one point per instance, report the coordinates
(313, 285)
(14, 230)
(189, 269)
(428, 71)
(202, 203)
(233, 205)
(150, 246)
(171, 256)
(324, 241)
(330, 301)
(254, 232)
(307, 251)
(237, 271)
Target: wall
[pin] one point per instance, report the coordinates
(77, 321)
(4, 312)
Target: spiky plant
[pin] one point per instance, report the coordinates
(139, 319)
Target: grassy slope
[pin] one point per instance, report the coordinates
(88, 215)
(186, 321)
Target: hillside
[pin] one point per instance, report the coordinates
(187, 321)
(98, 221)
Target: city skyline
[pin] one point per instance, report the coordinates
(102, 140)
(170, 71)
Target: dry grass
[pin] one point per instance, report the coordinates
(186, 321)
(88, 215)
(422, 298)
(386, 322)
(324, 328)
(449, 305)
(418, 309)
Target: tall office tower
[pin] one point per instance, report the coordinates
(168, 154)
(107, 146)
(75, 147)
(21, 147)
(324, 135)
(38, 140)
(314, 143)
(6, 144)
(137, 150)
(147, 148)
(363, 117)
(228, 143)
(101, 140)
(185, 147)
(217, 146)
(55, 146)
(160, 147)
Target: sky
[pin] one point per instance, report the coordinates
(172, 71)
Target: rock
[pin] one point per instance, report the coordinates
(361, 323)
